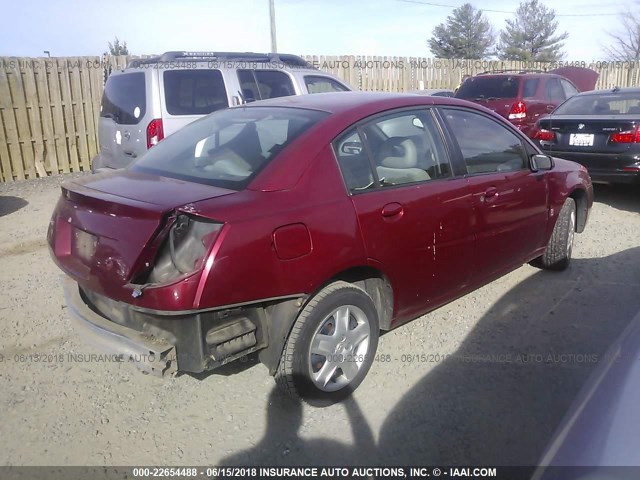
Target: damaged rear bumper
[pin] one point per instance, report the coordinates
(162, 343)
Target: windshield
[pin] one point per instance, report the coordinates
(602, 104)
(229, 147)
(480, 88)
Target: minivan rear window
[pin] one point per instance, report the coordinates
(194, 92)
(124, 99)
(484, 88)
(228, 148)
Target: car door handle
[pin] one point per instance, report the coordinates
(392, 210)
(489, 194)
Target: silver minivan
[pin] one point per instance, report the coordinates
(154, 97)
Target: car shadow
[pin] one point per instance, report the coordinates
(10, 204)
(498, 399)
(621, 197)
(283, 445)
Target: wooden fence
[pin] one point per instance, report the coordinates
(49, 107)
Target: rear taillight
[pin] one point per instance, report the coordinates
(545, 135)
(185, 249)
(518, 111)
(630, 136)
(155, 132)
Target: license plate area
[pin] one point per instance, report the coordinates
(84, 244)
(581, 139)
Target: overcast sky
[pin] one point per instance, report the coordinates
(318, 27)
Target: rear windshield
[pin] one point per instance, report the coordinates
(486, 88)
(228, 148)
(124, 99)
(604, 104)
(194, 92)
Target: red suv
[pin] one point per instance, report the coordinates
(301, 227)
(523, 97)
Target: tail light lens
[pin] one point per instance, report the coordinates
(630, 136)
(155, 132)
(185, 248)
(518, 111)
(545, 135)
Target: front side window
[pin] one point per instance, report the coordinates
(263, 84)
(228, 148)
(194, 92)
(486, 145)
(401, 148)
(319, 84)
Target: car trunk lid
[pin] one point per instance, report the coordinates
(583, 78)
(587, 133)
(103, 224)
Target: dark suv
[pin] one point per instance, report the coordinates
(521, 96)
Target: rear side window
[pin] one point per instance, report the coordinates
(319, 84)
(486, 145)
(554, 92)
(194, 92)
(262, 84)
(569, 90)
(405, 148)
(124, 98)
(530, 87)
(482, 87)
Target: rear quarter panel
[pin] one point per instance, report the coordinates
(247, 267)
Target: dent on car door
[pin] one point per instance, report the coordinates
(415, 217)
(510, 199)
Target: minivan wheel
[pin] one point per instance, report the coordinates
(557, 256)
(331, 345)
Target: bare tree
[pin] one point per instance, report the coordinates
(625, 41)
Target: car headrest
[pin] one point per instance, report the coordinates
(398, 152)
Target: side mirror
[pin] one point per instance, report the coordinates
(541, 162)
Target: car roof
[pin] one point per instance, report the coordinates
(610, 91)
(517, 74)
(338, 102)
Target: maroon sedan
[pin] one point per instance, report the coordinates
(301, 227)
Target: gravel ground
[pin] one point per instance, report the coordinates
(501, 367)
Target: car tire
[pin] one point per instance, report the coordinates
(557, 256)
(331, 345)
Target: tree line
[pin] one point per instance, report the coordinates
(532, 35)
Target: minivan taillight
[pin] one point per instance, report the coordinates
(545, 135)
(518, 111)
(630, 136)
(155, 132)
